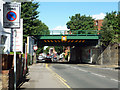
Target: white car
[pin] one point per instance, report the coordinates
(61, 56)
(40, 58)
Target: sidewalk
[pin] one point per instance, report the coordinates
(41, 77)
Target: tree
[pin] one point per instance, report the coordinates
(58, 49)
(109, 31)
(79, 22)
(40, 50)
(118, 18)
(31, 24)
(47, 50)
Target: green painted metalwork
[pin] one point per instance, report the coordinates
(71, 34)
(68, 37)
(74, 38)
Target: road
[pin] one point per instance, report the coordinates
(70, 76)
(87, 77)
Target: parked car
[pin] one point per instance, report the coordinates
(61, 56)
(48, 58)
(40, 59)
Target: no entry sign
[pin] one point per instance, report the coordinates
(35, 48)
(11, 15)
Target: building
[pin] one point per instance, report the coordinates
(98, 23)
(4, 35)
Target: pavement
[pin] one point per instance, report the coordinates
(40, 76)
(53, 75)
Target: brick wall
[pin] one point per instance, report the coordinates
(105, 56)
(119, 55)
(108, 55)
(98, 23)
(8, 70)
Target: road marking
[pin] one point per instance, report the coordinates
(55, 73)
(82, 70)
(20, 85)
(59, 77)
(98, 75)
(114, 80)
(46, 65)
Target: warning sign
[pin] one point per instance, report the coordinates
(64, 38)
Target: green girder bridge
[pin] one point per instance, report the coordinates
(69, 38)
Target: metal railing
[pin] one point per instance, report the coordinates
(73, 32)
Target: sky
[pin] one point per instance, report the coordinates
(56, 14)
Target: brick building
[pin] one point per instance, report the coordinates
(98, 23)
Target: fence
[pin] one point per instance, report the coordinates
(8, 70)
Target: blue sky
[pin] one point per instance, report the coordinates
(56, 14)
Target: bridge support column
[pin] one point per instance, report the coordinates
(75, 54)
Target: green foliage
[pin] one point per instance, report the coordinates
(28, 59)
(79, 22)
(110, 29)
(58, 49)
(66, 57)
(31, 24)
(16, 52)
(118, 31)
(39, 50)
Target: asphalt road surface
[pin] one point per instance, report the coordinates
(86, 77)
(44, 75)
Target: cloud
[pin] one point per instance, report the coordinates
(61, 28)
(99, 16)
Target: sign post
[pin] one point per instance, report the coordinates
(15, 59)
(11, 19)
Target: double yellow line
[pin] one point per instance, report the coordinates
(59, 77)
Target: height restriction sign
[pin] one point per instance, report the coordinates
(11, 15)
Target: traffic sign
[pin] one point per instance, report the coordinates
(11, 15)
(64, 38)
(35, 48)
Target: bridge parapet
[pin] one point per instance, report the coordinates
(73, 32)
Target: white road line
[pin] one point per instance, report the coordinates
(114, 80)
(75, 67)
(98, 75)
(82, 70)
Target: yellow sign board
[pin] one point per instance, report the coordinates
(64, 38)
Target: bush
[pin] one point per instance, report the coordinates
(28, 59)
(66, 57)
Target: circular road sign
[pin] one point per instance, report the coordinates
(11, 16)
(35, 48)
